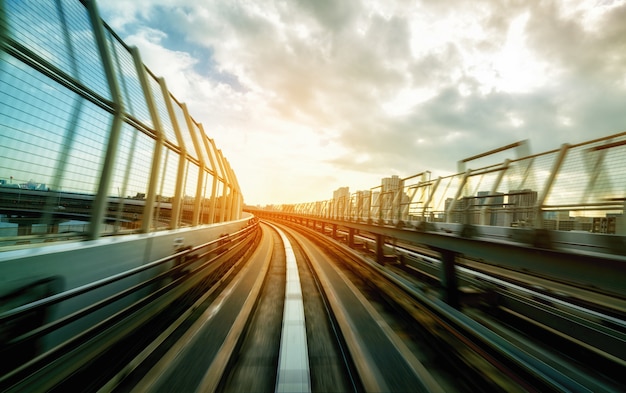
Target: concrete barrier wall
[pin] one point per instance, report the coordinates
(76, 264)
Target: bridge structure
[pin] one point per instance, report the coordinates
(106, 179)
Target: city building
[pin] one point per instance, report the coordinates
(490, 209)
(393, 201)
(362, 202)
(392, 183)
(341, 202)
(521, 205)
(608, 224)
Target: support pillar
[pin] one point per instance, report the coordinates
(53, 227)
(334, 234)
(543, 196)
(24, 224)
(449, 282)
(380, 255)
(351, 237)
(24, 229)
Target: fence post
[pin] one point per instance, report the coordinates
(106, 176)
(538, 222)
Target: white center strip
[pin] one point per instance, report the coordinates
(293, 363)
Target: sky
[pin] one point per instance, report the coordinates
(304, 97)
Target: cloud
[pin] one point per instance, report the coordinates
(335, 91)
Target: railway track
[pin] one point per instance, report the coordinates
(579, 323)
(292, 310)
(289, 321)
(556, 337)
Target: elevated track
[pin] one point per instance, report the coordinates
(215, 318)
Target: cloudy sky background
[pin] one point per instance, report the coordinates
(304, 97)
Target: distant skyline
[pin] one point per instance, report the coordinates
(304, 97)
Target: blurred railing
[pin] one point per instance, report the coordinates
(83, 120)
(579, 187)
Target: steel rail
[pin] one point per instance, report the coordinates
(604, 335)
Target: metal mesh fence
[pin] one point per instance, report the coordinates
(80, 148)
(580, 187)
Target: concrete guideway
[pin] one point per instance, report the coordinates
(293, 369)
(203, 357)
(501, 361)
(212, 338)
(372, 343)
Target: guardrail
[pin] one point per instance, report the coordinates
(579, 187)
